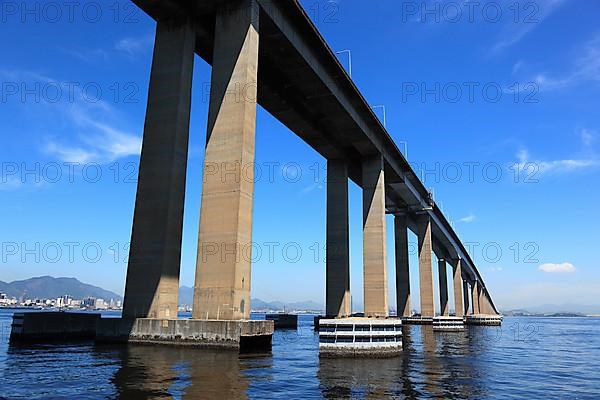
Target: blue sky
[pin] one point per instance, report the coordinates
(497, 102)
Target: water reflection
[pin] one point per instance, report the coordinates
(154, 372)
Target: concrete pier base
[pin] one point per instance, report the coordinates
(448, 324)
(42, 327)
(417, 320)
(483, 319)
(240, 335)
(360, 337)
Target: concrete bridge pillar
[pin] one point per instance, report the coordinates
(402, 266)
(458, 287)
(486, 305)
(374, 241)
(337, 291)
(476, 295)
(465, 285)
(425, 266)
(152, 285)
(222, 289)
(443, 281)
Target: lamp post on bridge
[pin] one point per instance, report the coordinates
(349, 60)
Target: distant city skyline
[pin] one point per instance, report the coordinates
(515, 174)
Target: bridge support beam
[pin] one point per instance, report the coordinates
(222, 289)
(476, 301)
(443, 281)
(337, 291)
(402, 266)
(425, 266)
(465, 286)
(458, 287)
(486, 306)
(374, 241)
(152, 286)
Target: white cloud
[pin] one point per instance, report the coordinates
(557, 268)
(517, 67)
(94, 127)
(515, 32)
(96, 141)
(134, 46)
(586, 68)
(468, 219)
(588, 137)
(535, 168)
(88, 55)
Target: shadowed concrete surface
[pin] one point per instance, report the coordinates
(443, 287)
(337, 288)
(402, 266)
(153, 271)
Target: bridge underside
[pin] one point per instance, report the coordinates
(299, 81)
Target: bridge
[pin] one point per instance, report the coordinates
(268, 52)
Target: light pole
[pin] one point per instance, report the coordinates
(349, 60)
(384, 116)
(405, 144)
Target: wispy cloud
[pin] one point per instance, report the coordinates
(93, 131)
(96, 141)
(588, 137)
(86, 54)
(557, 268)
(312, 187)
(586, 68)
(468, 219)
(535, 167)
(513, 33)
(135, 46)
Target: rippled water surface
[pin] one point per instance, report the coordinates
(527, 358)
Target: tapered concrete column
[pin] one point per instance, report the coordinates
(443, 281)
(222, 289)
(402, 266)
(476, 295)
(486, 305)
(458, 287)
(425, 266)
(466, 296)
(374, 245)
(152, 286)
(337, 291)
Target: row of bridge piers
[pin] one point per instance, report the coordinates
(469, 295)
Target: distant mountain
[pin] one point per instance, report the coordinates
(564, 308)
(260, 305)
(47, 287)
(186, 296)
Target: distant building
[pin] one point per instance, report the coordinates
(100, 304)
(89, 302)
